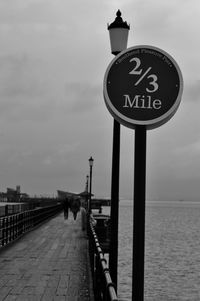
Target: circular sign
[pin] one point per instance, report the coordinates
(143, 86)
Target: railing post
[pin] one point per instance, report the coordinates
(98, 283)
(3, 231)
(6, 210)
(6, 229)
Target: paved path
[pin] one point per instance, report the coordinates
(48, 263)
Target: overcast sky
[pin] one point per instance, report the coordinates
(53, 57)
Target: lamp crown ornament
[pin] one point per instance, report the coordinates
(119, 23)
(91, 160)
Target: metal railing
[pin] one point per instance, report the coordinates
(104, 288)
(13, 226)
(11, 209)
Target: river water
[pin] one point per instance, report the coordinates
(172, 251)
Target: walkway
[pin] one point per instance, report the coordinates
(48, 263)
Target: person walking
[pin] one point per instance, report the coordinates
(75, 207)
(66, 208)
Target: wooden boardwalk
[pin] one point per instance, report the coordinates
(48, 263)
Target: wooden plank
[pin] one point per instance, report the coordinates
(49, 263)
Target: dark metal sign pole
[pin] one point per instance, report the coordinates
(139, 214)
(113, 255)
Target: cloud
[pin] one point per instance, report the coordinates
(27, 10)
(83, 96)
(192, 90)
(19, 76)
(24, 88)
(52, 114)
(191, 151)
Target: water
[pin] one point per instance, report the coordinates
(172, 252)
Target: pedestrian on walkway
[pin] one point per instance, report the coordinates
(66, 206)
(75, 207)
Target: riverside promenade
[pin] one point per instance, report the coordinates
(48, 263)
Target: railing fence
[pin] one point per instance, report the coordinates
(104, 288)
(13, 226)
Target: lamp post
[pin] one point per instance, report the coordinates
(87, 179)
(91, 160)
(86, 188)
(118, 32)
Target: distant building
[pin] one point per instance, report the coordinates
(13, 195)
(62, 195)
(3, 197)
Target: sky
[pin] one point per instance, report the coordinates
(53, 58)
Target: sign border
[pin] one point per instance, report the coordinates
(132, 123)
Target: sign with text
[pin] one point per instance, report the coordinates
(143, 86)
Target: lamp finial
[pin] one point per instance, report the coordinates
(118, 14)
(119, 23)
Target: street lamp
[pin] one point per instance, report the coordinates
(86, 188)
(87, 179)
(118, 31)
(91, 160)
